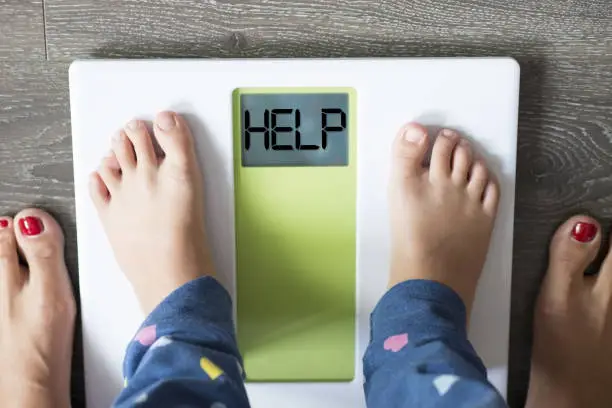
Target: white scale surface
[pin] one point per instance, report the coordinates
(477, 96)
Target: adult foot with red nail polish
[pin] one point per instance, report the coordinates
(36, 314)
(571, 362)
(441, 216)
(152, 209)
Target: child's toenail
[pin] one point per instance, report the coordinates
(133, 124)
(118, 136)
(584, 232)
(3, 223)
(166, 121)
(448, 133)
(413, 135)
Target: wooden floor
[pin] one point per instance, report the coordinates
(564, 47)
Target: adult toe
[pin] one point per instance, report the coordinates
(573, 248)
(41, 242)
(11, 276)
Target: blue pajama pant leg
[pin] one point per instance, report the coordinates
(419, 354)
(185, 354)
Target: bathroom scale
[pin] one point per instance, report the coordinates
(296, 158)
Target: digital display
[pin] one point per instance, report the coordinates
(298, 129)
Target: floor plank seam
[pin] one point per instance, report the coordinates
(44, 18)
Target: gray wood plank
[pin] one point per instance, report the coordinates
(327, 28)
(564, 166)
(564, 47)
(22, 34)
(36, 159)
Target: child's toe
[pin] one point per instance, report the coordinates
(110, 172)
(442, 153)
(98, 191)
(462, 162)
(479, 178)
(175, 139)
(490, 200)
(143, 144)
(409, 150)
(124, 151)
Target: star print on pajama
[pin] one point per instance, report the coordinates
(185, 353)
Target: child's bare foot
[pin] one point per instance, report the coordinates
(37, 311)
(571, 364)
(442, 216)
(152, 208)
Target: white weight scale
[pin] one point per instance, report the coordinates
(295, 155)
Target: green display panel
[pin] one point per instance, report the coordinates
(295, 188)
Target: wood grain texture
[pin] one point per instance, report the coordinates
(22, 34)
(564, 166)
(36, 159)
(564, 47)
(326, 28)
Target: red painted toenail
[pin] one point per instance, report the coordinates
(3, 223)
(30, 226)
(584, 232)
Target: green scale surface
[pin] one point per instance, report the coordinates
(296, 261)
